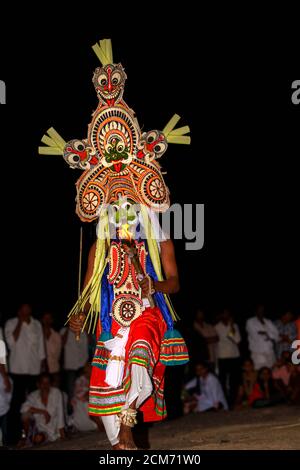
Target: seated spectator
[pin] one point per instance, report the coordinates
(293, 391)
(266, 391)
(5, 393)
(205, 391)
(281, 369)
(43, 414)
(209, 334)
(287, 333)
(80, 401)
(248, 381)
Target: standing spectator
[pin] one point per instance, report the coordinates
(43, 414)
(209, 335)
(287, 333)
(53, 344)
(228, 355)
(297, 323)
(293, 391)
(5, 392)
(75, 357)
(262, 337)
(80, 402)
(205, 391)
(25, 340)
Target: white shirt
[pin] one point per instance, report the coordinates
(5, 397)
(75, 352)
(260, 343)
(28, 351)
(227, 347)
(54, 408)
(2, 349)
(211, 392)
(53, 350)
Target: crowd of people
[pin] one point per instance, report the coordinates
(44, 383)
(44, 373)
(226, 379)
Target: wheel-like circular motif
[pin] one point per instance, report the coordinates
(90, 201)
(126, 309)
(156, 189)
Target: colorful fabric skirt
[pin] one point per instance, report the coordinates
(142, 348)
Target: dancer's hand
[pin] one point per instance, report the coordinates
(147, 286)
(76, 323)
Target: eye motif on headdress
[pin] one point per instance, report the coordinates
(118, 160)
(78, 155)
(152, 145)
(109, 82)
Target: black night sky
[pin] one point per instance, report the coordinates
(242, 164)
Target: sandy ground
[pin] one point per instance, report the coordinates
(273, 428)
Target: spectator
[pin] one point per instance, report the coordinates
(266, 391)
(249, 378)
(75, 357)
(209, 335)
(281, 369)
(287, 333)
(5, 392)
(228, 355)
(25, 340)
(80, 402)
(205, 391)
(262, 337)
(43, 414)
(293, 390)
(53, 344)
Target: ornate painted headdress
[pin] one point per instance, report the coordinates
(118, 161)
(117, 158)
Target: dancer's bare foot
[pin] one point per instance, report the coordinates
(126, 441)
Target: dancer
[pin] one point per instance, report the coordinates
(124, 296)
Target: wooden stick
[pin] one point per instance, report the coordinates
(79, 278)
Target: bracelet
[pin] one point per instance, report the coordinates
(128, 417)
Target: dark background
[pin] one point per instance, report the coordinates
(226, 83)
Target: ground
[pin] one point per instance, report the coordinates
(270, 428)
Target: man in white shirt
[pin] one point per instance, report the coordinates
(262, 337)
(207, 390)
(25, 341)
(228, 355)
(45, 407)
(75, 357)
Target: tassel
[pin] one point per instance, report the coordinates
(173, 350)
(105, 336)
(102, 354)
